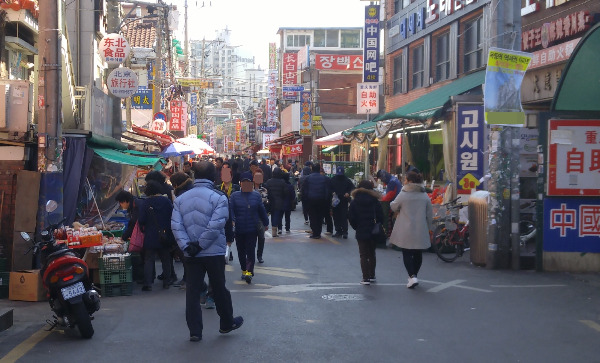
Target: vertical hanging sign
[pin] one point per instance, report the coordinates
(305, 119)
(469, 142)
(371, 44)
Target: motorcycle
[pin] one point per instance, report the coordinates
(72, 295)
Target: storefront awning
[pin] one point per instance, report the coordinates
(287, 139)
(432, 104)
(127, 157)
(333, 139)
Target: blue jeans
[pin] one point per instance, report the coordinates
(276, 216)
(246, 246)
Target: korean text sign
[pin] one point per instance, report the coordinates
(469, 145)
(305, 114)
(571, 224)
(371, 44)
(574, 157)
(292, 149)
(367, 98)
(338, 62)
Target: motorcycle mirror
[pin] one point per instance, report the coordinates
(51, 206)
(25, 236)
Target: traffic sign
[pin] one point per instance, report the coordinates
(292, 88)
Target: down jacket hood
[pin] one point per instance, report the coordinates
(413, 188)
(371, 192)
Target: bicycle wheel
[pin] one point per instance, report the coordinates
(446, 250)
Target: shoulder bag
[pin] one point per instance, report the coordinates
(136, 241)
(165, 235)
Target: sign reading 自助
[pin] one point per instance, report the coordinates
(367, 98)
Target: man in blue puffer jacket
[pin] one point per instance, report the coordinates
(198, 224)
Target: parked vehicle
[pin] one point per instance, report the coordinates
(72, 296)
(450, 237)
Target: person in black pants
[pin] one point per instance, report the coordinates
(342, 186)
(317, 188)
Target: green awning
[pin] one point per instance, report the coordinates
(366, 128)
(126, 157)
(432, 104)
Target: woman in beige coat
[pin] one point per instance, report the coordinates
(413, 224)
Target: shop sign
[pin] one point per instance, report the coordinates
(541, 83)
(317, 123)
(447, 7)
(367, 98)
(114, 49)
(574, 157)
(196, 82)
(303, 57)
(272, 56)
(556, 30)
(252, 132)
(268, 138)
(292, 149)
(305, 118)
(271, 109)
(371, 44)
(219, 112)
(176, 108)
(412, 23)
(556, 54)
(289, 75)
(571, 224)
(332, 62)
(158, 126)
(238, 130)
(469, 142)
(142, 99)
(193, 111)
(532, 6)
(122, 82)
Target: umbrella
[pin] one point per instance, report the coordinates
(199, 146)
(176, 149)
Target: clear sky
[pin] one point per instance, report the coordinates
(254, 23)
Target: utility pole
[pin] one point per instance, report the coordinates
(186, 46)
(113, 23)
(202, 92)
(503, 231)
(156, 87)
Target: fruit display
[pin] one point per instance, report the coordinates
(437, 195)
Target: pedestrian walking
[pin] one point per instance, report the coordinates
(289, 202)
(318, 192)
(364, 212)
(266, 169)
(413, 224)
(198, 221)
(342, 186)
(277, 191)
(249, 215)
(303, 193)
(257, 179)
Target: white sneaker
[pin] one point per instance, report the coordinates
(412, 282)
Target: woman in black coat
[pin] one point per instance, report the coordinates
(277, 191)
(365, 210)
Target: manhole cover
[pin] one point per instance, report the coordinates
(344, 297)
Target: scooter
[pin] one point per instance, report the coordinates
(71, 293)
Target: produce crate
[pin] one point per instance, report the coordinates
(4, 292)
(110, 290)
(115, 262)
(4, 277)
(114, 233)
(115, 276)
(3, 264)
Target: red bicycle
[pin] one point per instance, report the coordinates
(451, 238)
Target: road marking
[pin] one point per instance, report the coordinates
(446, 285)
(591, 324)
(274, 297)
(20, 350)
(280, 272)
(528, 286)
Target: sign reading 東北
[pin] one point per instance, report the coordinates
(305, 114)
(142, 99)
(371, 44)
(338, 62)
(574, 157)
(114, 48)
(122, 82)
(571, 224)
(469, 142)
(367, 98)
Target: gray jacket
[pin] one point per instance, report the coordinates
(414, 220)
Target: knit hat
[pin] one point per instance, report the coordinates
(246, 176)
(339, 170)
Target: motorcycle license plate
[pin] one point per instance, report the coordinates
(72, 291)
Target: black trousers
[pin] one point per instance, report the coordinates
(287, 214)
(412, 261)
(196, 268)
(317, 210)
(340, 218)
(149, 259)
(368, 261)
(261, 242)
(305, 209)
(246, 245)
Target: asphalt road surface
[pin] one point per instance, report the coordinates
(305, 304)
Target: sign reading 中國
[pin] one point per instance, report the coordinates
(122, 82)
(571, 224)
(469, 142)
(114, 48)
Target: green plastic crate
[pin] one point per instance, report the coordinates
(4, 277)
(115, 233)
(110, 290)
(115, 276)
(115, 263)
(4, 292)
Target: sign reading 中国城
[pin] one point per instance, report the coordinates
(114, 48)
(371, 44)
(305, 114)
(142, 99)
(469, 142)
(571, 224)
(122, 82)
(367, 98)
(574, 157)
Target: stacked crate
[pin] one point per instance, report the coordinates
(4, 278)
(116, 275)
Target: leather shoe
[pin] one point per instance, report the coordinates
(314, 237)
(260, 260)
(345, 236)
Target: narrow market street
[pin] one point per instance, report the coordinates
(305, 304)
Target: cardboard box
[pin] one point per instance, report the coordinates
(26, 285)
(91, 258)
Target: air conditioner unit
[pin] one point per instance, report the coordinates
(14, 105)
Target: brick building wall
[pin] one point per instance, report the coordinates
(342, 96)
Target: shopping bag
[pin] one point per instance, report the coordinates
(227, 254)
(136, 242)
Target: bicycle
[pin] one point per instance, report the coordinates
(451, 238)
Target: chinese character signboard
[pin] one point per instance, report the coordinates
(272, 56)
(574, 157)
(305, 119)
(371, 44)
(469, 142)
(556, 31)
(502, 93)
(330, 62)
(122, 82)
(176, 123)
(559, 53)
(238, 130)
(271, 116)
(292, 149)
(571, 224)
(114, 48)
(252, 131)
(267, 138)
(193, 112)
(289, 75)
(142, 99)
(158, 126)
(367, 98)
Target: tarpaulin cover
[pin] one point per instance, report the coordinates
(125, 157)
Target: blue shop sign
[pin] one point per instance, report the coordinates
(142, 99)
(371, 44)
(469, 142)
(571, 224)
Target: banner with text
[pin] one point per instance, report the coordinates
(371, 44)
(367, 98)
(305, 118)
(469, 142)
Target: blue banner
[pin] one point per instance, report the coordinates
(469, 145)
(142, 99)
(371, 44)
(571, 224)
(193, 112)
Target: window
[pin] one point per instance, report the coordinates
(442, 61)
(397, 6)
(398, 74)
(326, 38)
(350, 38)
(473, 47)
(298, 40)
(418, 66)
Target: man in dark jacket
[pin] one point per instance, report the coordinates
(317, 188)
(266, 169)
(303, 195)
(277, 190)
(342, 187)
